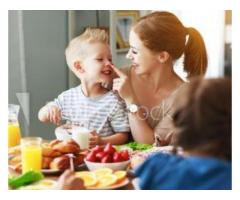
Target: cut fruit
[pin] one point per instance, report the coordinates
(46, 184)
(120, 175)
(89, 178)
(83, 173)
(106, 181)
(102, 172)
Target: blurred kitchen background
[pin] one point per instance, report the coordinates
(37, 40)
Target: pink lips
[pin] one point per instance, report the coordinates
(107, 72)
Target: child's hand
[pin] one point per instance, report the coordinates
(54, 114)
(68, 181)
(94, 140)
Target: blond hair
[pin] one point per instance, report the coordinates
(76, 47)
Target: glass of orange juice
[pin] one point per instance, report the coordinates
(14, 133)
(31, 154)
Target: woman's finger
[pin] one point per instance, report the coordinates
(118, 71)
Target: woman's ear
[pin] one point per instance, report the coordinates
(163, 57)
(78, 67)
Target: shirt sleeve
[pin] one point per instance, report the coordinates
(119, 118)
(150, 173)
(59, 101)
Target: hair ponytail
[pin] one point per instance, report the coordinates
(163, 31)
(195, 55)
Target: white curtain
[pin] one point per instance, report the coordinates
(211, 26)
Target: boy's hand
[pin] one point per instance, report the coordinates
(94, 140)
(54, 114)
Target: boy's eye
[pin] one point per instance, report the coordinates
(133, 51)
(99, 59)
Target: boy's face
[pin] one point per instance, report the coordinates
(96, 63)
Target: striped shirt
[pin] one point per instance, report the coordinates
(106, 114)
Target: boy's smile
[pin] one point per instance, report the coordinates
(97, 63)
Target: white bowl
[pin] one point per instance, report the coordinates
(114, 166)
(62, 134)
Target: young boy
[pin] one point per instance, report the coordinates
(90, 104)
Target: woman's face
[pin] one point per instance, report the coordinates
(143, 60)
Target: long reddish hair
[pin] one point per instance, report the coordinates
(163, 31)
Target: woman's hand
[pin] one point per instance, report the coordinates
(122, 85)
(68, 181)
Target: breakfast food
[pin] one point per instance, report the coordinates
(54, 155)
(48, 151)
(60, 163)
(107, 154)
(46, 162)
(103, 178)
(69, 146)
(63, 162)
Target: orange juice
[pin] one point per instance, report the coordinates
(31, 155)
(14, 135)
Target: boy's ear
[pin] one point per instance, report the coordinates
(163, 57)
(77, 66)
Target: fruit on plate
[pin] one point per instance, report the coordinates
(100, 155)
(89, 178)
(117, 157)
(45, 184)
(102, 172)
(107, 159)
(97, 149)
(109, 149)
(102, 178)
(106, 180)
(108, 154)
(125, 154)
(91, 156)
(120, 175)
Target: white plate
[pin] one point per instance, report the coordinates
(111, 187)
(55, 172)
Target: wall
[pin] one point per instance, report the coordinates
(37, 48)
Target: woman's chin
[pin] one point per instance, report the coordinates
(138, 70)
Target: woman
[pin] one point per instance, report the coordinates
(150, 84)
(202, 118)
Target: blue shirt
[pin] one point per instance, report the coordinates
(165, 171)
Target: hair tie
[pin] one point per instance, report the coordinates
(187, 35)
(186, 39)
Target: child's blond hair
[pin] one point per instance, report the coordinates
(75, 50)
